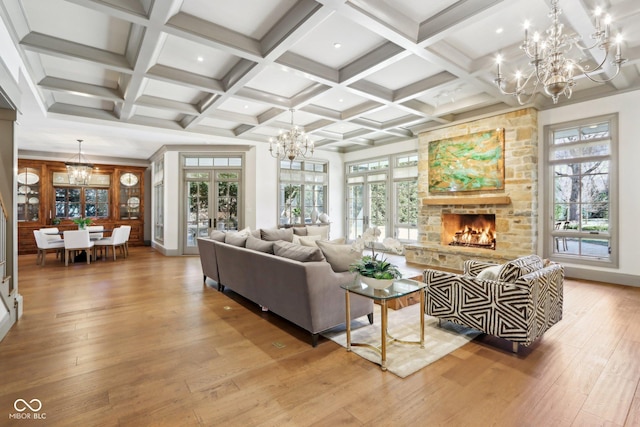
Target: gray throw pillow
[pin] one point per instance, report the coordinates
(259, 245)
(217, 235)
(300, 231)
(309, 241)
(340, 257)
(297, 252)
(235, 239)
(274, 234)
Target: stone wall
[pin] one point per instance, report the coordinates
(515, 207)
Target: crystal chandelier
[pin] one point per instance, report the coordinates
(290, 144)
(78, 169)
(551, 69)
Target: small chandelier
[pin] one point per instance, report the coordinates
(290, 144)
(551, 69)
(78, 169)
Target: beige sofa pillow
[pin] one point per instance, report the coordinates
(340, 257)
(300, 231)
(297, 252)
(321, 230)
(309, 240)
(235, 239)
(217, 235)
(274, 234)
(259, 245)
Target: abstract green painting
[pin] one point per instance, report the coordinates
(467, 163)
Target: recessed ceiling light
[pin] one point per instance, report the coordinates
(340, 100)
(200, 58)
(499, 30)
(337, 45)
(246, 106)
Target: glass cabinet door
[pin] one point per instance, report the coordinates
(28, 196)
(130, 195)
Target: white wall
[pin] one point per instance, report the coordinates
(627, 106)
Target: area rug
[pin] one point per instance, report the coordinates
(402, 359)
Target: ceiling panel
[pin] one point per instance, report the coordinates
(134, 65)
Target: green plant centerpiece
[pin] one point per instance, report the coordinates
(374, 270)
(82, 222)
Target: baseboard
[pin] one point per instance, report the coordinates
(602, 276)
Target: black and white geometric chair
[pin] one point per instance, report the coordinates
(518, 301)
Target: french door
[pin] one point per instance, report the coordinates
(368, 204)
(211, 201)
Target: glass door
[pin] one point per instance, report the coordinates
(206, 209)
(367, 204)
(197, 219)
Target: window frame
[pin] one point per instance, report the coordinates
(554, 234)
(83, 201)
(305, 186)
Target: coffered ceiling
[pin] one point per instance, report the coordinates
(358, 73)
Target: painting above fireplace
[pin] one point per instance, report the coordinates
(467, 163)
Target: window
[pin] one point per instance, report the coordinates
(158, 198)
(405, 180)
(73, 202)
(581, 159)
(303, 191)
(383, 193)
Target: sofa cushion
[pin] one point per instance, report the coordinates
(257, 233)
(309, 240)
(340, 257)
(300, 231)
(315, 230)
(297, 252)
(513, 270)
(246, 232)
(217, 235)
(274, 234)
(235, 239)
(259, 245)
(490, 273)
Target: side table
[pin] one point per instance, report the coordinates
(398, 289)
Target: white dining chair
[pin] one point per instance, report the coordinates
(116, 240)
(94, 231)
(127, 230)
(77, 240)
(52, 234)
(45, 244)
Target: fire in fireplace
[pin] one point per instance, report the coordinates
(471, 230)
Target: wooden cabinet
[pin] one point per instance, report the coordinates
(114, 197)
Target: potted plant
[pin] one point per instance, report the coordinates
(296, 215)
(82, 222)
(373, 271)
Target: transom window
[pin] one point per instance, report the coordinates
(581, 158)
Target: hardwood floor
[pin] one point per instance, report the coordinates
(140, 341)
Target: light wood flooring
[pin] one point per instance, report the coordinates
(140, 341)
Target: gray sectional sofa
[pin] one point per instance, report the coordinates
(306, 293)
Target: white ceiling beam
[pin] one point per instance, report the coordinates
(80, 89)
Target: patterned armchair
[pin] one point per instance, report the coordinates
(518, 304)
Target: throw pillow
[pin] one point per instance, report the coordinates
(217, 235)
(297, 252)
(309, 240)
(490, 273)
(517, 268)
(340, 257)
(339, 241)
(315, 230)
(272, 235)
(246, 232)
(300, 231)
(259, 245)
(235, 239)
(257, 234)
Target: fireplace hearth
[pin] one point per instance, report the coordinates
(469, 230)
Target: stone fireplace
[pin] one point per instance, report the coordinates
(512, 213)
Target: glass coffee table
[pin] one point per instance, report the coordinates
(399, 288)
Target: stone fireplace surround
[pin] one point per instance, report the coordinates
(515, 208)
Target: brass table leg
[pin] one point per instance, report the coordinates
(422, 291)
(348, 311)
(383, 306)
